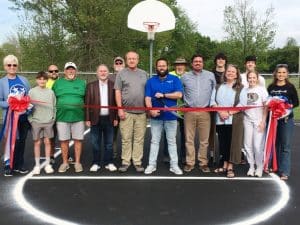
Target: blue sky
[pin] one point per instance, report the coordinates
(208, 14)
(8, 21)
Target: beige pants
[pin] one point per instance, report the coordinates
(133, 130)
(196, 121)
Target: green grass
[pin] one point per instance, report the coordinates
(92, 77)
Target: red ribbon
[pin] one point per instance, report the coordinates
(278, 108)
(17, 105)
(187, 109)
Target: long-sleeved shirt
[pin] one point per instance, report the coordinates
(197, 88)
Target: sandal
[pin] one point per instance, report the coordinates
(220, 170)
(269, 170)
(284, 177)
(230, 173)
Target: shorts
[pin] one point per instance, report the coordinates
(42, 130)
(67, 131)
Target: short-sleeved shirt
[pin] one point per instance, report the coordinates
(43, 112)
(69, 99)
(256, 96)
(50, 83)
(17, 87)
(225, 96)
(168, 85)
(131, 83)
(261, 80)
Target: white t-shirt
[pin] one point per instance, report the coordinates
(256, 96)
(261, 80)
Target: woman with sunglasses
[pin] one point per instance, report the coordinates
(16, 85)
(285, 89)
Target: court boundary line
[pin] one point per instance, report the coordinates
(20, 199)
(148, 178)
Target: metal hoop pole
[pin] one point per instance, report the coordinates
(151, 56)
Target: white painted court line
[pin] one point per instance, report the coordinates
(257, 218)
(146, 178)
(281, 203)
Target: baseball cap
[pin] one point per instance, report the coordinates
(70, 64)
(250, 58)
(119, 59)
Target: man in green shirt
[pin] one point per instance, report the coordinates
(70, 93)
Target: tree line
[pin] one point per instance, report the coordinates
(90, 32)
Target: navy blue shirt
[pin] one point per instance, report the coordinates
(169, 84)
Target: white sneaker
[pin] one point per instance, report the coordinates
(176, 170)
(36, 170)
(63, 167)
(251, 172)
(111, 167)
(78, 167)
(150, 169)
(258, 172)
(94, 168)
(49, 169)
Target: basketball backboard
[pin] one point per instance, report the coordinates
(151, 14)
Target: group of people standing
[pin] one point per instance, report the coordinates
(64, 106)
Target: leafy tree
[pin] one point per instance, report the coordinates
(90, 32)
(289, 54)
(246, 32)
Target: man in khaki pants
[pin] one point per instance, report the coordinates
(198, 85)
(130, 92)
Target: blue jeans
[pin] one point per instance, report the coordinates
(105, 128)
(284, 136)
(170, 127)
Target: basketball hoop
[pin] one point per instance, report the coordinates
(151, 16)
(151, 28)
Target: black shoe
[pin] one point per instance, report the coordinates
(139, 168)
(52, 160)
(21, 170)
(7, 171)
(123, 168)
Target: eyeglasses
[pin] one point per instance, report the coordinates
(10, 65)
(282, 65)
(118, 63)
(52, 71)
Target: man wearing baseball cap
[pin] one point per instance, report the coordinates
(70, 93)
(250, 66)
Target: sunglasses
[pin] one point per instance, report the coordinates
(52, 71)
(282, 65)
(10, 65)
(118, 63)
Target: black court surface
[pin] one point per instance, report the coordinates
(112, 198)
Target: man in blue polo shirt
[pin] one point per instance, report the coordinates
(163, 90)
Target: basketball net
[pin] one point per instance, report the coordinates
(151, 29)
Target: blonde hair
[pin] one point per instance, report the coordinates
(10, 58)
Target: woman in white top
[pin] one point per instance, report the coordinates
(254, 124)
